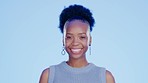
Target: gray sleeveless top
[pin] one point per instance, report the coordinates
(63, 73)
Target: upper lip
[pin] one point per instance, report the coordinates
(76, 48)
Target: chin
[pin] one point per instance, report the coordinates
(76, 56)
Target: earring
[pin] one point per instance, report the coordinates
(63, 51)
(89, 49)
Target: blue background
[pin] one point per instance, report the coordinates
(30, 40)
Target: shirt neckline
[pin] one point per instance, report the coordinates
(77, 70)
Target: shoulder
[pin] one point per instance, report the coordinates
(109, 77)
(44, 76)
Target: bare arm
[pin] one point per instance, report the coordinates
(109, 77)
(44, 76)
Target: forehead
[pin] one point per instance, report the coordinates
(77, 26)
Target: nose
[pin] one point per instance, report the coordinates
(75, 41)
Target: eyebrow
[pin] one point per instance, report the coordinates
(78, 33)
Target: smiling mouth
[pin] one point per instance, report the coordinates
(76, 50)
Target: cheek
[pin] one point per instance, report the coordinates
(67, 44)
(85, 42)
(86, 45)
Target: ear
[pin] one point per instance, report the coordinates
(90, 41)
(63, 41)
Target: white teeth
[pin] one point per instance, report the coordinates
(75, 50)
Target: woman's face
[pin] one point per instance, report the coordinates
(77, 38)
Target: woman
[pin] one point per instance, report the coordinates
(76, 23)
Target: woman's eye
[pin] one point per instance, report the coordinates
(82, 37)
(68, 37)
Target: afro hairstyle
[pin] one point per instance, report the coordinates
(75, 12)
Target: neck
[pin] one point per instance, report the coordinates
(77, 63)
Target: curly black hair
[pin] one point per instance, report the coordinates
(76, 12)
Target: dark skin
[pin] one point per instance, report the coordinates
(76, 43)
